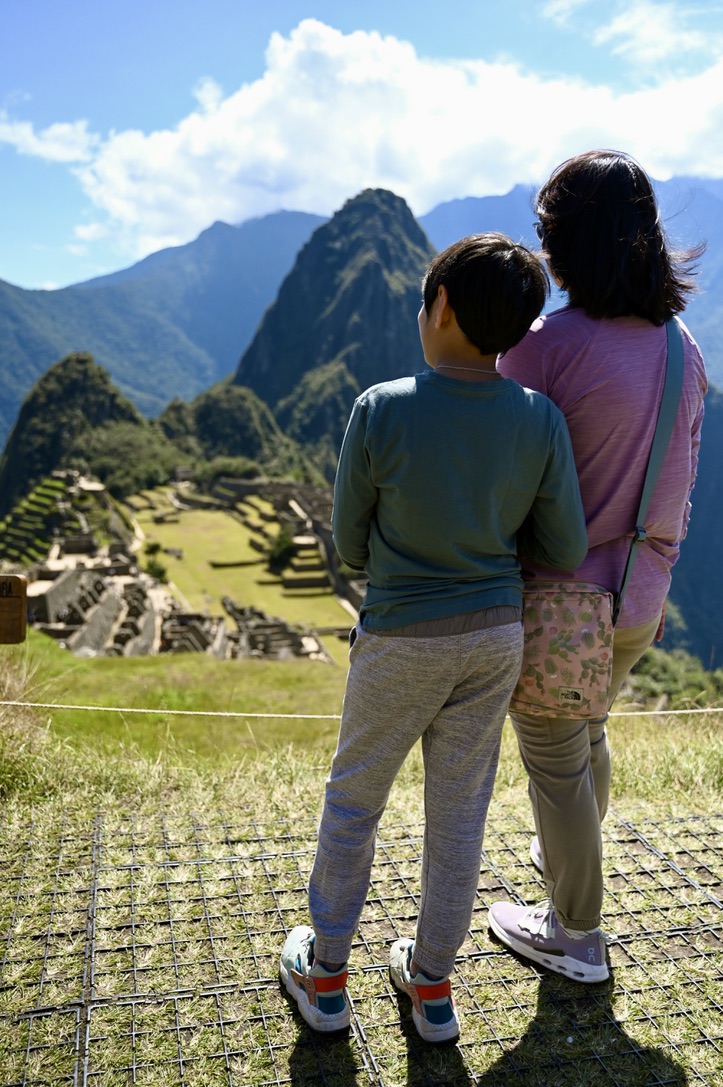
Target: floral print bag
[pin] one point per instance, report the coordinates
(568, 656)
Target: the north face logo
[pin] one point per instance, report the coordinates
(570, 694)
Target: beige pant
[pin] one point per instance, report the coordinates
(568, 764)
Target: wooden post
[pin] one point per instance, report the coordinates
(13, 608)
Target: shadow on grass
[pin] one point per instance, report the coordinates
(428, 1065)
(332, 1058)
(322, 1058)
(575, 1038)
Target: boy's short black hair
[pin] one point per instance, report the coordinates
(495, 286)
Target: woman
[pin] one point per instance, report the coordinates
(601, 359)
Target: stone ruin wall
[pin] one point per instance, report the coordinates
(108, 608)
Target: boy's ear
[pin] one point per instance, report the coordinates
(444, 310)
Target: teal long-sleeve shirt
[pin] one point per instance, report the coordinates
(440, 483)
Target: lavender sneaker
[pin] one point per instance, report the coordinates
(534, 931)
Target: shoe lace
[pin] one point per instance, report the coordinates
(540, 919)
(306, 952)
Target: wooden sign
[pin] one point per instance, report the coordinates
(13, 608)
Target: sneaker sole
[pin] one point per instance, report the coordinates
(317, 1020)
(435, 1034)
(561, 964)
(428, 1032)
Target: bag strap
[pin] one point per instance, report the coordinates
(663, 428)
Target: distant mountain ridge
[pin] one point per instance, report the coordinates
(181, 319)
(216, 288)
(172, 325)
(343, 316)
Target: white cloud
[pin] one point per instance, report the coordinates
(651, 31)
(208, 94)
(57, 143)
(335, 113)
(561, 11)
(91, 232)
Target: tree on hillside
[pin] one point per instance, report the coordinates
(232, 421)
(126, 457)
(316, 413)
(178, 423)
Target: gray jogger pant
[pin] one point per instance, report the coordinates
(453, 693)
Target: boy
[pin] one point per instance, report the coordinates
(441, 477)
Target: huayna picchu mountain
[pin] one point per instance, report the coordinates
(344, 318)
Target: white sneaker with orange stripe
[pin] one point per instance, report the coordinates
(433, 1011)
(320, 993)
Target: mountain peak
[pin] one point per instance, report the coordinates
(370, 256)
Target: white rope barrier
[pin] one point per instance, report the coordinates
(177, 713)
(292, 716)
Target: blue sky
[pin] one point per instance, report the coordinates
(130, 125)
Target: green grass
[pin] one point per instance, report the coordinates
(156, 793)
(671, 763)
(208, 535)
(675, 761)
(189, 682)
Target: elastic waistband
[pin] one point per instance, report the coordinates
(482, 619)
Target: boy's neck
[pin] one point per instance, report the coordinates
(447, 348)
(481, 368)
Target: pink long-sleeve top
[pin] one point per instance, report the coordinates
(607, 378)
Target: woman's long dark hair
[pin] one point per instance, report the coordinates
(600, 229)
